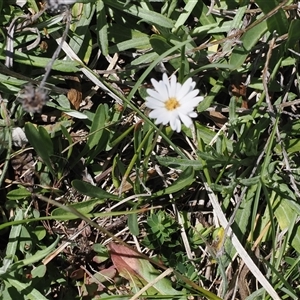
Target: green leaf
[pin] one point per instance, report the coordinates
(133, 224)
(277, 22)
(11, 80)
(36, 257)
(206, 103)
(185, 179)
(81, 39)
(243, 215)
(249, 40)
(25, 240)
(201, 11)
(134, 43)
(186, 13)
(67, 111)
(83, 207)
(39, 271)
(12, 245)
(41, 142)
(26, 290)
(102, 27)
(45, 138)
(293, 35)
(41, 62)
(146, 58)
(179, 163)
(39, 232)
(284, 214)
(97, 127)
(149, 16)
(117, 33)
(207, 135)
(101, 253)
(92, 191)
(18, 194)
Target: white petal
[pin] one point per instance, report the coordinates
(191, 102)
(173, 86)
(154, 100)
(154, 104)
(160, 88)
(187, 121)
(193, 114)
(193, 84)
(175, 124)
(162, 120)
(154, 94)
(163, 90)
(191, 94)
(178, 88)
(185, 89)
(178, 127)
(155, 83)
(160, 116)
(166, 82)
(156, 113)
(165, 79)
(185, 109)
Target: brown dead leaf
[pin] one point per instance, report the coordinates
(126, 261)
(77, 274)
(75, 92)
(239, 90)
(218, 118)
(140, 272)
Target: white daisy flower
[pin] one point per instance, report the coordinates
(172, 102)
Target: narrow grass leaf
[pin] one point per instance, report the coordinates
(186, 13)
(277, 22)
(41, 62)
(12, 245)
(201, 12)
(179, 163)
(249, 40)
(293, 35)
(26, 290)
(38, 256)
(81, 39)
(102, 27)
(149, 16)
(83, 207)
(134, 43)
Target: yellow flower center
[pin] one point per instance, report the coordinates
(172, 103)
